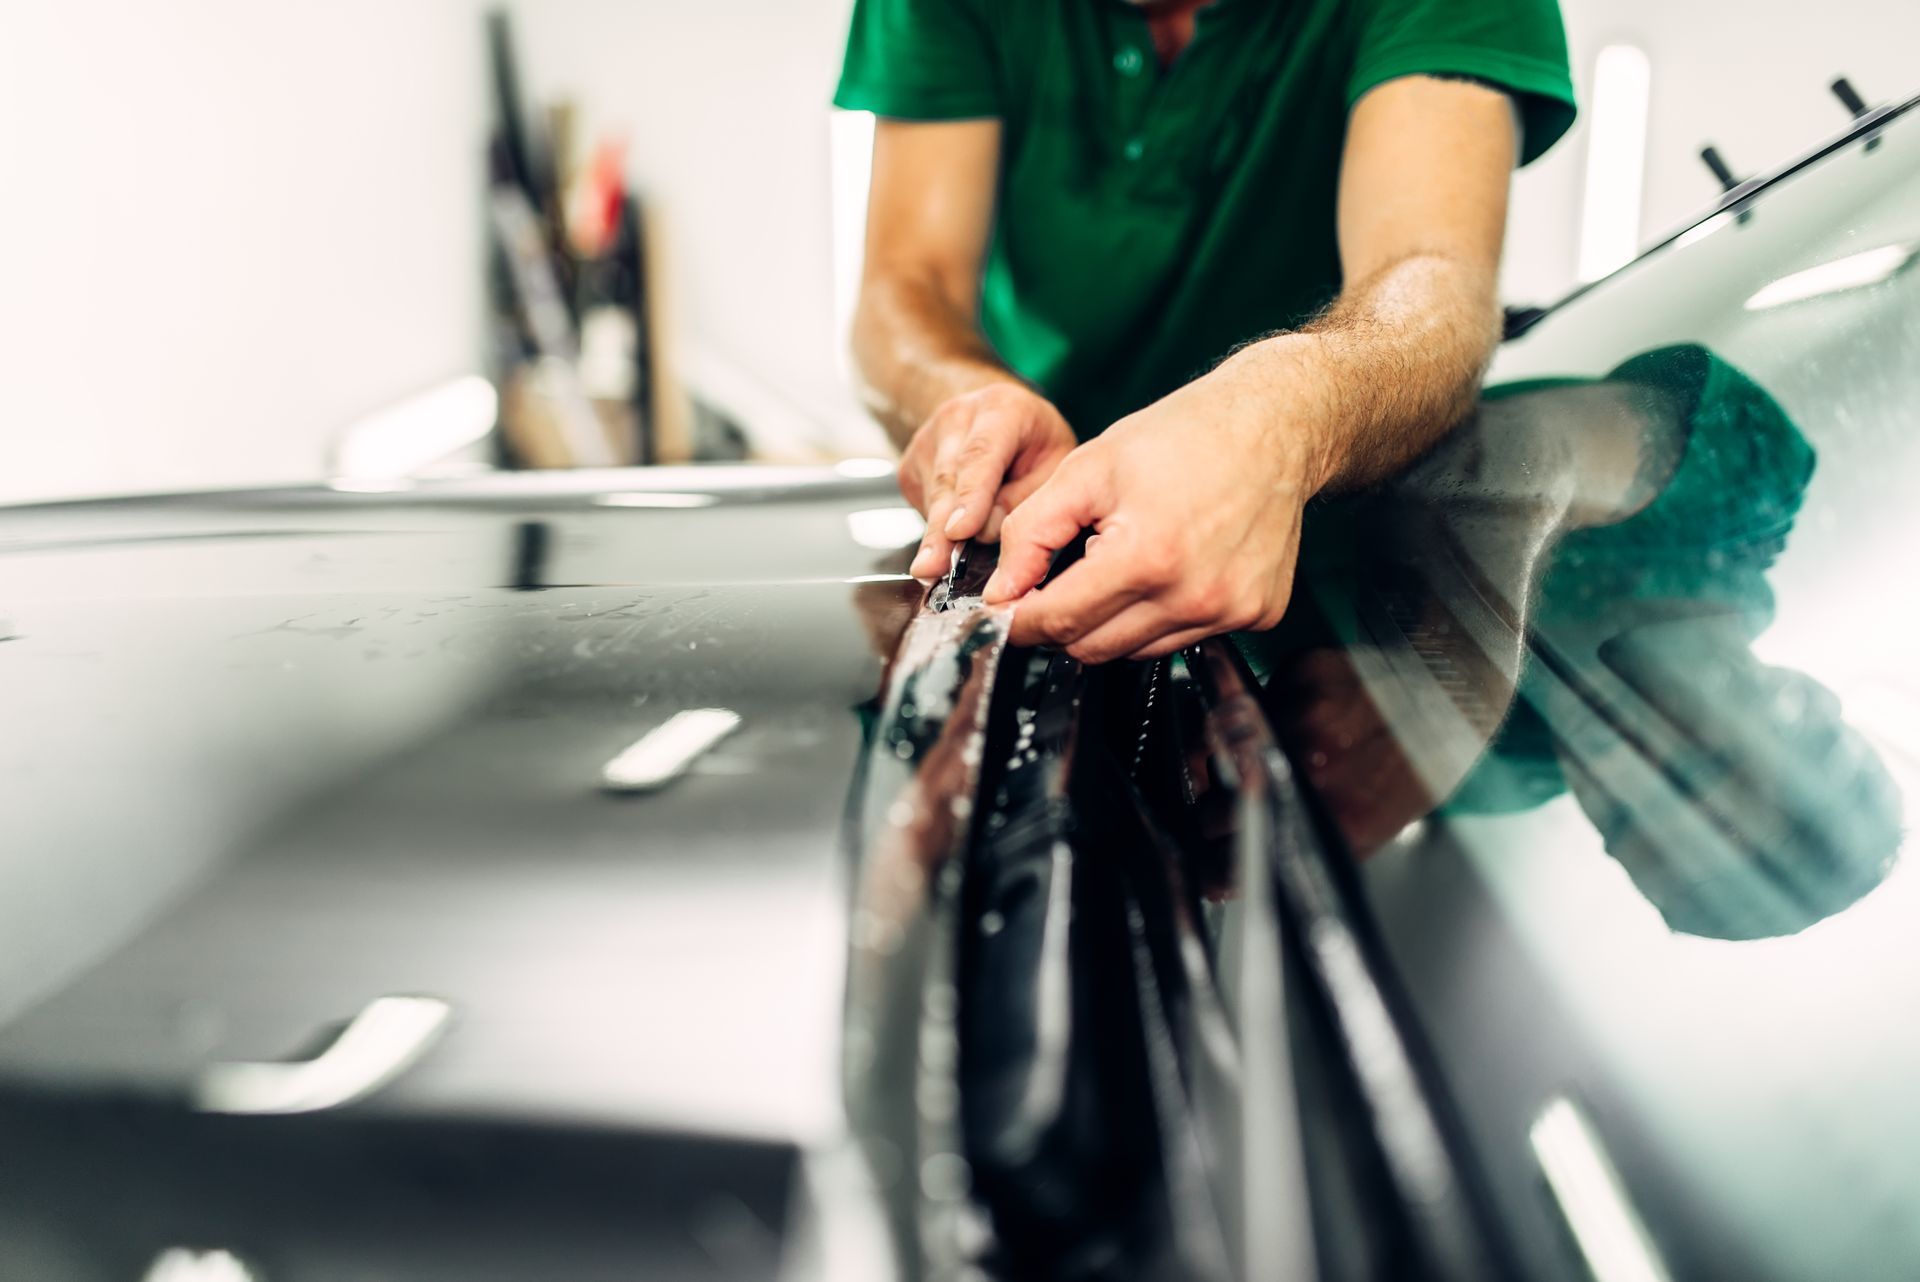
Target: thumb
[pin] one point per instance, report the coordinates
(1070, 500)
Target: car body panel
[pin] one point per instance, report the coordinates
(278, 755)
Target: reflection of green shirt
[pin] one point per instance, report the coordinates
(1151, 220)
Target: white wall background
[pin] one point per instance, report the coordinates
(227, 228)
(724, 105)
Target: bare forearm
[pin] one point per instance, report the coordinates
(915, 349)
(1382, 374)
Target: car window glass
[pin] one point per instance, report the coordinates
(1624, 723)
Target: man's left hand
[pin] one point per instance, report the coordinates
(1196, 503)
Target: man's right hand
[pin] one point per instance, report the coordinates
(975, 459)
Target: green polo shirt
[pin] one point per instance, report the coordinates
(1151, 219)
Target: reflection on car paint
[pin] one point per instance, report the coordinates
(1321, 920)
(912, 810)
(1592, 1196)
(1561, 599)
(376, 1046)
(184, 1264)
(1732, 792)
(667, 751)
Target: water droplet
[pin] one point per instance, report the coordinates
(944, 1177)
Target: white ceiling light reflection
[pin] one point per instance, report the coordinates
(1855, 271)
(178, 1264)
(386, 1038)
(665, 752)
(655, 499)
(1592, 1197)
(885, 528)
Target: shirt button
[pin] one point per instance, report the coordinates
(1128, 61)
(1134, 149)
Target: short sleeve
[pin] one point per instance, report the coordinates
(1519, 46)
(920, 60)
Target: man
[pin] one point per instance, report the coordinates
(1169, 270)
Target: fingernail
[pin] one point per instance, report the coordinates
(922, 562)
(953, 522)
(994, 584)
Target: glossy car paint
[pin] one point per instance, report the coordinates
(275, 755)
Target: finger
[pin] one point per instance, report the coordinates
(1174, 641)
(920, 461)
(946, 464)
(936, 549)
(995, 519)
(933, 559)
(1045, 523)
(1131, 630)
(1091, 592)
(980, 468)
(1193, 634)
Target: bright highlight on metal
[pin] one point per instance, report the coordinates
(178, 1264)
(656, 498)
(1616, 161)
(1855, 271)
(1703, 229)
(1592, 1197)
(383, 1041)
(665, 752)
